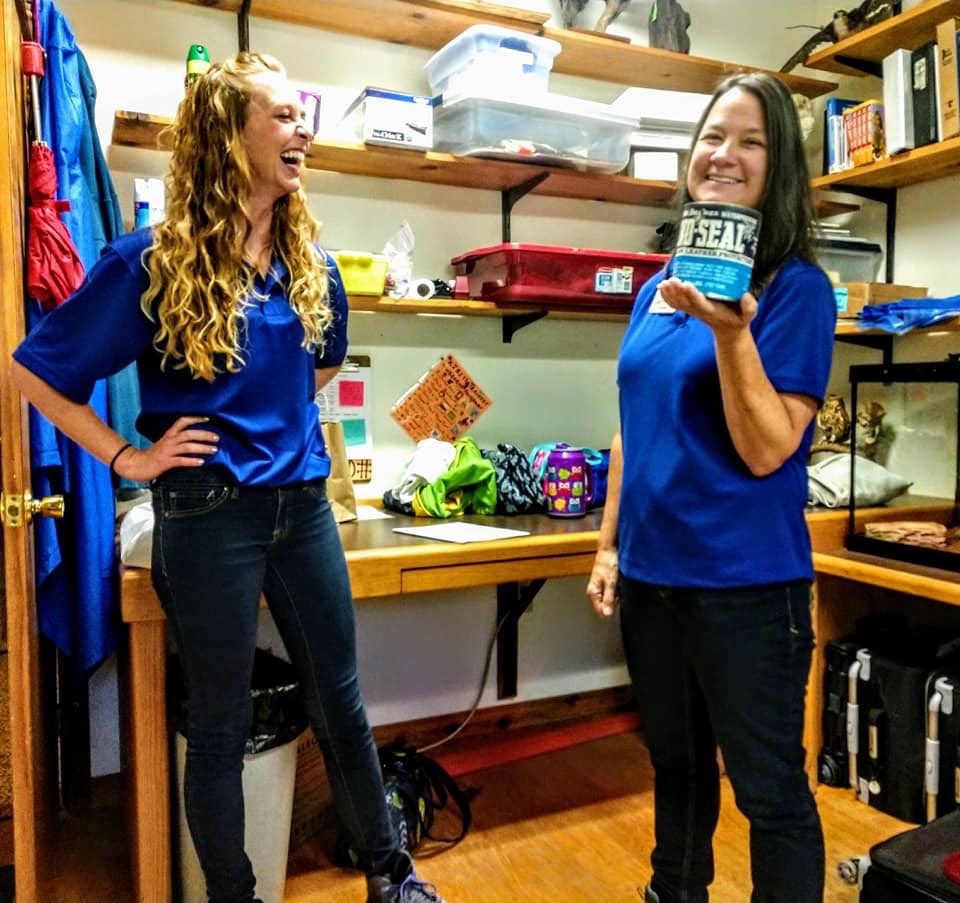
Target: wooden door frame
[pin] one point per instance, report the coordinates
(30, 784)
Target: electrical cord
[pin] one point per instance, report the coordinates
(479, 696)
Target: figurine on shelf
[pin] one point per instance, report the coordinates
(873, 436)
(843, 24)
(571, 9)
(668, 26)
(834, 423)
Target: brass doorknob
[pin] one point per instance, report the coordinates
(48, 506)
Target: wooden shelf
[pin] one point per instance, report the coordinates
(909, 30)
(143, 130)
(898, 576)
(850, 328)
(478, 308)
(447, 307)
(932, 161)
(432, 23)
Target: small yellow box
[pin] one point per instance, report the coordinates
(852, 297)
(362, 273)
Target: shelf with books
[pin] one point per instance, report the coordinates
(923, 164)
(862, 53)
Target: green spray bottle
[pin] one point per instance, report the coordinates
(198, 62)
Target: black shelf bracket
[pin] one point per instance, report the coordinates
(868, 67)
(243, 25)
(510, 196)
(515, 322)
(883, 343)
(887, 197)
(513, 599)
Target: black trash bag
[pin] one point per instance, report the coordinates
(279, 715)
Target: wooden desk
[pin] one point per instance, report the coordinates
(383, 563)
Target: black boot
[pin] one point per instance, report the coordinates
(401, 884)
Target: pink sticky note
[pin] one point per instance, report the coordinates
(351, 393)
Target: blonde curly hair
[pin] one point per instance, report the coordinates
(199, 282)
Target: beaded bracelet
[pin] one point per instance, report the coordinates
(113, 463)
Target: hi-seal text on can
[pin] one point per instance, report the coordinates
(716, 246)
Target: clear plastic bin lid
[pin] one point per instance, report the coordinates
(547, 102)
(493, 38)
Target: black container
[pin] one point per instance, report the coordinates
(908, 868)
(939, 382)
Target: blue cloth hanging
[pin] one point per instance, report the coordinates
(76, 570)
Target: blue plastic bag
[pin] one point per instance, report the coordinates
(900, 317)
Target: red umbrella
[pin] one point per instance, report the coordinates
(54, 268)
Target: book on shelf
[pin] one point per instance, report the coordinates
(836, 156)
(926, 114)
(948, 46)
(863, 125)
(898, 101)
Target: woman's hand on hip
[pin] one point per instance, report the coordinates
(183, 445)
(602, 585)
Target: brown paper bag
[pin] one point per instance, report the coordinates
(339, 484)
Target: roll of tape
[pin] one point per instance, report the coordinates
(422, 288)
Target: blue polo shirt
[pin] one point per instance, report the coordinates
(265, 413)
(691, 513)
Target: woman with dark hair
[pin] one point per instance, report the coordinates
(235, 318)
(703, 543)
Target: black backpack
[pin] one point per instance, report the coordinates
(417, 788)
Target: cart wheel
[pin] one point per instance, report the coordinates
(849, 870)
(830, 771)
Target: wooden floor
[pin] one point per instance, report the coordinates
(570, 826)
(576, 826)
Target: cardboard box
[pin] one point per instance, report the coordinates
(381, 116)
(852, 297)
(948, 44)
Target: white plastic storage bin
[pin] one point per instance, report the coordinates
(487, 56)
(552, 130)
(850, 259)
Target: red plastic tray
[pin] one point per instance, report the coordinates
(548, 275)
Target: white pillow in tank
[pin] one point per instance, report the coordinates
(136, 535)
(829, 482)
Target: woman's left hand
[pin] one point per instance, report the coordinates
(720, 316)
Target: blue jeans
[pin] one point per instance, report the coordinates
(216, 546)
(727, 667)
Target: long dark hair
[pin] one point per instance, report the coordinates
(786, 205)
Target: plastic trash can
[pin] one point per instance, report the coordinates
(269, 776)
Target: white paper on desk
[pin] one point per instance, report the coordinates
(461, 531)
(370, 512)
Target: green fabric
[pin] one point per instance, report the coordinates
(469, 485)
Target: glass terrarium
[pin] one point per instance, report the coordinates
(906, 427)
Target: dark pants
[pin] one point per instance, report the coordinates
(727, 667)
(216, 546)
